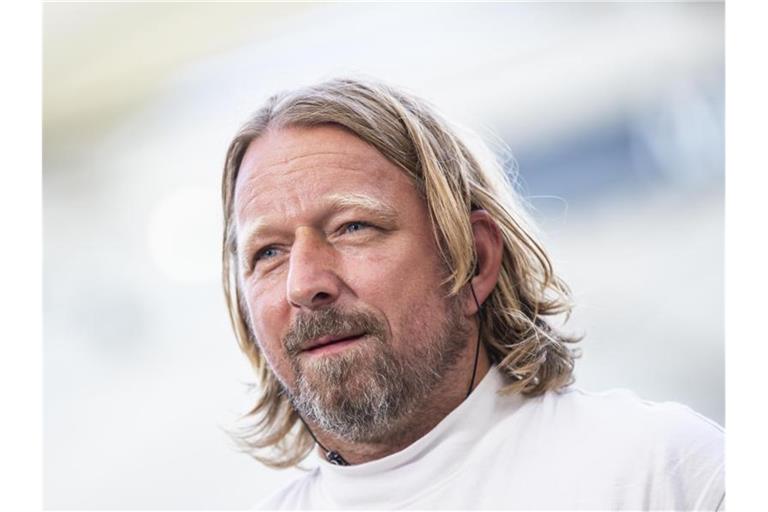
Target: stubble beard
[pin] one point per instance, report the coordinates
(367, 392)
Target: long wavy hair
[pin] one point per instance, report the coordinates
(455, 173)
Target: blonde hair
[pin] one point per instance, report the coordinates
(453, 180)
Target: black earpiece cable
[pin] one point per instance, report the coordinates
(331, 456)
(477, 348)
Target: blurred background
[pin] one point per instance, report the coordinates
(613, 114)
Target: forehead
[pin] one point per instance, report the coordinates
(294, 166)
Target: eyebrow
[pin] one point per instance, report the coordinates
(369, 204)
(334, 203)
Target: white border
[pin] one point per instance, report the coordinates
(21, 262)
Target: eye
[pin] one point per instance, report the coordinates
(264, 254)
(353, 227)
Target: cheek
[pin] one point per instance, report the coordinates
(402, 282)
(267, 320)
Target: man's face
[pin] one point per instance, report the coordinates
(342, 280)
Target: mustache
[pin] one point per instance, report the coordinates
(332, 321)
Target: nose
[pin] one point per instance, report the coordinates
(312, 279)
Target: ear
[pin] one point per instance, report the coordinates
(489, 247)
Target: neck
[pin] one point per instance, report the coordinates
(439, 404)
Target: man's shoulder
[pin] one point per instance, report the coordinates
(665, 453)
(293, 496)
(622, 415)
(668, 440)
(625, 408)
(616, 426)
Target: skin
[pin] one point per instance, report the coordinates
(375, 253)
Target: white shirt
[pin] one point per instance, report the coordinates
(567, 450)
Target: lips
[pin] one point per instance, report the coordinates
(326, 341)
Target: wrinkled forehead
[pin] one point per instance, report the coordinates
(284, 162)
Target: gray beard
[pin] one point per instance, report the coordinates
(367, 392)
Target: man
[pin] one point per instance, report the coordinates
(383, 280)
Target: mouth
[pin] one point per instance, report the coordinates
(329, 344)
